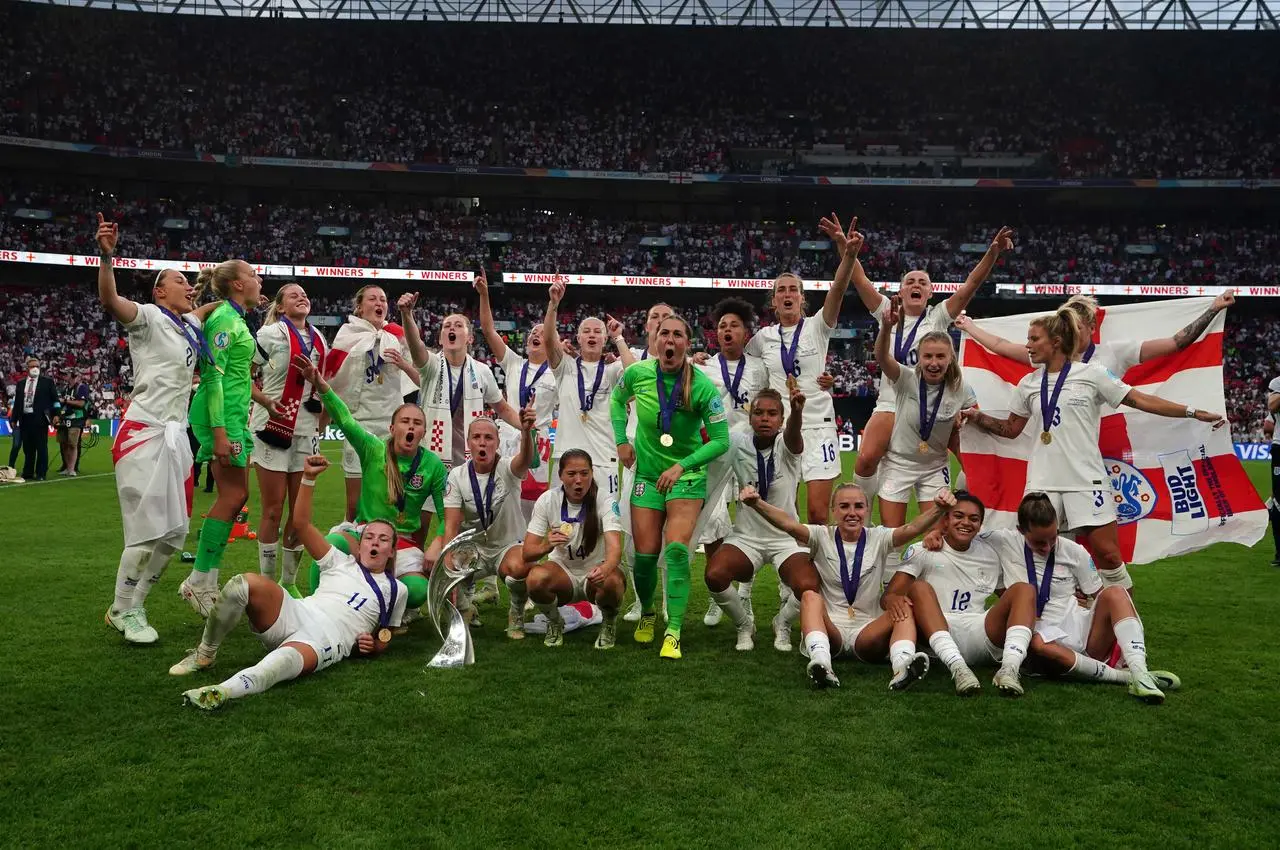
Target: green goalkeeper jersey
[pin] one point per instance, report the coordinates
(425, 482)
(643, 381)
(222, 401)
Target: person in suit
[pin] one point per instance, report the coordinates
(33, 407)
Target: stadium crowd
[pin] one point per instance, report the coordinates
(68, 331)
(447, 236)
(488, 95)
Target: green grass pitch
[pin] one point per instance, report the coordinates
(577, 748)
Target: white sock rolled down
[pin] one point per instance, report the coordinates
(152, 571)
(1118, 577)
(289, 560)
(1016, 640)
(944, 646)
(901, 653)
(1133, 644)
(744, 591)
(279, 665)
(519, 592)
(819, 646)
(267, 559)
(790, 609)
(550, 610)
(133, 561)
(225, 614)
(729, 600)
(1094, 670)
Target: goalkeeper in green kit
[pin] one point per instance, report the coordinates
(674, 404)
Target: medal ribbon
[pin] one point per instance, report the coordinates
(564, 511)
(667, 404)
(413, 470)
(455, 394)
(484, 507)
(384, 610)
(195, 339)
(1042, 589)
(929, 417)
(585, 401)
(764, 474)
(1048, 403)
(527, 389)
(1088, 353)
(788, 352)
(850, 582)
(901, 347)
(732, 385)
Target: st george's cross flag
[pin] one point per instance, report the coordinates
(1177, 484)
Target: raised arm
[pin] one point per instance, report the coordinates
(1172, 409)
(491, 336)
(991, 342)
(775, 516)
(942, 503)
(524, 455)
(848, 244)
(614, 329)
(551, 325)
(360, 439)
(308, 535)
(884, 357)
(1003, 241)
(121, 309)
(1153, 348)
(792, 435)
(418, 350)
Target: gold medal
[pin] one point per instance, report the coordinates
(400, 518)
(850, 612)
(566, 528)
(791, 382)
(379, 377)
(923, 448)
(384, 635)
(585, 417)
(1046, 437)
(667, 440)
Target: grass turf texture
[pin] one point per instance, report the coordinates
(575, 747)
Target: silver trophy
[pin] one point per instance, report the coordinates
(457, 650)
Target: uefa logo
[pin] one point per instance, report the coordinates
(1135, 497)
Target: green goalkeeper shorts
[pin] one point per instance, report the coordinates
(644, 492)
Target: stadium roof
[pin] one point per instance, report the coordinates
(904, 14)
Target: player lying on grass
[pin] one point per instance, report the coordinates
(354, 608)
(400, 482)
(948, 589)
(1072, 636)
(577, 529)
(850, 610)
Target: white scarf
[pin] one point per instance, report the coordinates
(354, 364)
(29, 395)
(435, 403)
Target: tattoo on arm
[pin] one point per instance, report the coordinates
(1192, 332)
(999, 427)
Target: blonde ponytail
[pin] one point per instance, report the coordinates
(218, 278)
(1064, 325)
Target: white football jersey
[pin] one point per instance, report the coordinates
(1072, 461)
(1116, 357)
(934, 318)
(822, 548)
(517, 368)
(962, 579)
(781, 492)
(479, 388)
(573, 556)
(347, 600)
(595, 434)
(274, 343)
(163, 363)
(1072, 568)
(811, 361)
(905, 442)
(754, 378)
(507, 523)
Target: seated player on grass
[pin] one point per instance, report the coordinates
(948, 589)
(354, 608)
(576, 528)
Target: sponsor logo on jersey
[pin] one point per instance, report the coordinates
(220, 339)
(1134, 496)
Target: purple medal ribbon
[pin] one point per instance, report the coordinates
(307, 345)
(455, 395)
(413, 470)
(384, 610)
(1042, 588)
(1048, 404)
(527, 388)
(732, 385)
(1088, 353)
(195, 339)
(667, 404)
(929, 417)
(587, 402)
(788, 352)
(484, 507)
(564, 511)
(850, 582)
(764, 474)
(901, 347)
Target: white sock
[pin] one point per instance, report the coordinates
(729, 601)
(1095, 671)
(1133, 644)
(279, 665)
(550, 609)
(819, 646)
(267, 559)
(151, 573)
(519, 592)
(900, 654)
(225, 614)
(944, 646)
(289, 565)
(744, 591)
(870, 484)
(1118, 577)
(1016, 640)
(133, 561)
(790, 609)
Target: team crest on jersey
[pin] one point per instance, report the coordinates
(220, 339)
(617, 511)
(236, 447)
(416, 481)
(1134, 496)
